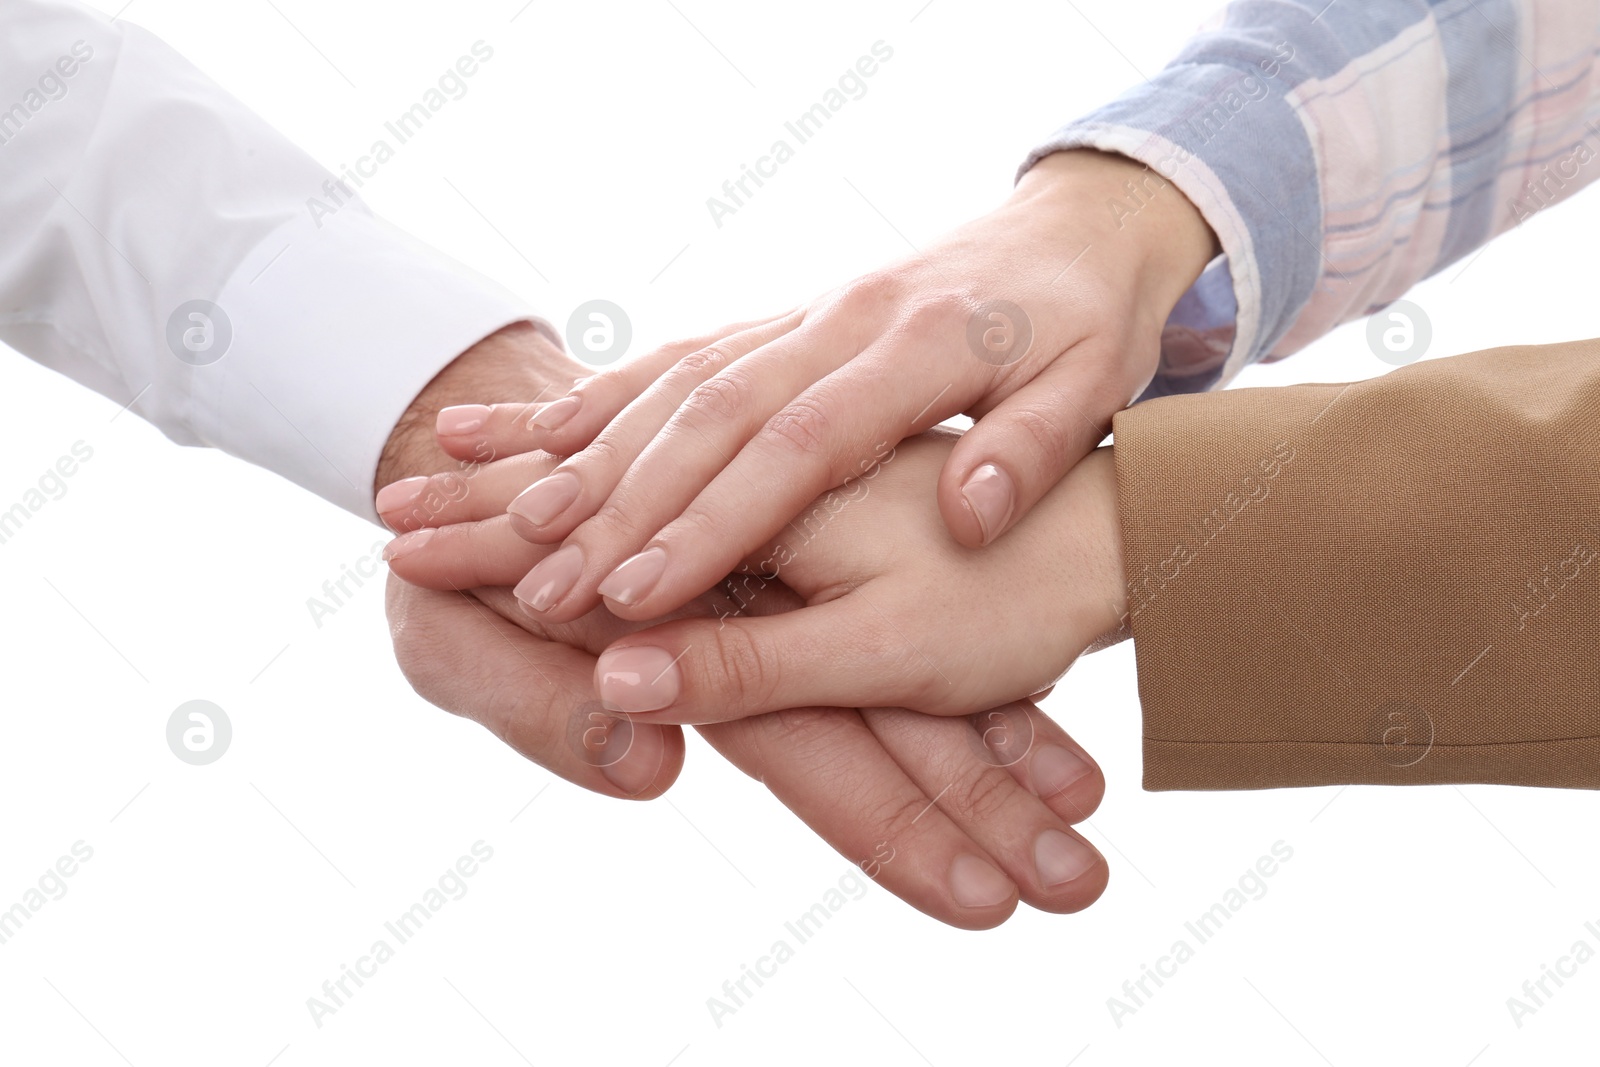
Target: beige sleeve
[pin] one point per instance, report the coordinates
(1392, 581)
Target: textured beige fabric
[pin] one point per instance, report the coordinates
(1393, 581)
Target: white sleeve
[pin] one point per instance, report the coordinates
(161, 244)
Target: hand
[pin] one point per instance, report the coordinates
(934, 810)
(516, 360)
(898, 613)
(741, 431)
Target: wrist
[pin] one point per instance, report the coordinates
(1086, 573)
(1131, 217)
(519, 362)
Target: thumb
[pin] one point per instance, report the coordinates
(1017, 452)
(838, 654)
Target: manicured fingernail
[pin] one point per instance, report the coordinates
(406, 544)
(976, 884)
(635, 578)
(637, 679)
(989, 494)
(546, 498)
(461, 419)
(1060, 858)
(1053, 768)
(551, 579)
(397, 495)
(555, 414)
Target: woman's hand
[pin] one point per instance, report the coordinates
(897, 612)
(1043, 319)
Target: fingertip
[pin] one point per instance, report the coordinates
(984, 897)
(1084, 885)
(1068, 781)
(406, 544)
(556, 414)
(472, 448)
(397, 496)
(990, 496)
(957, 515)
(570, 424)
(539, 506)
(649, 765)
(461, 420)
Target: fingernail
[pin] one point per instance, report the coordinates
(406, 544)
(637, 679)
(1053, 768)
(635, 578)
(1060, 858)
(551, 579)
(976, 884)
(555, 414)
(461, 419)
(397, 495)
(989, 494)
(546, 498)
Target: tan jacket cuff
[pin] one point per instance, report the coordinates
(1393, 581)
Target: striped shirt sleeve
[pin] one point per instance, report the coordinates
(1344, 151)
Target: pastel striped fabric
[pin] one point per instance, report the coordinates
(1344, 151)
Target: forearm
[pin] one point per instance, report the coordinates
(1393, 581)
(1342, 153)
(165, 246)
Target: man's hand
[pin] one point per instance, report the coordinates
(452, 647)
(519, 360)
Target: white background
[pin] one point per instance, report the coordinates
(220, 898)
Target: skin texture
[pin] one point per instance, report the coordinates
(701, 452)
(962, 818)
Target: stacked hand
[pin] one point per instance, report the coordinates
(960, 817)
(754, 532)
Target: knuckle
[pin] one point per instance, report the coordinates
(743, 670)
(801, 427)
(701, 526)
(1046, 435)
(942, 312)
(896, 817)
(600, 387)
(725, 397)
(602, 454)
(706, 360)
(877, 289)
(984, 797)
(810, 732)
(678, 350)
(615, 521)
